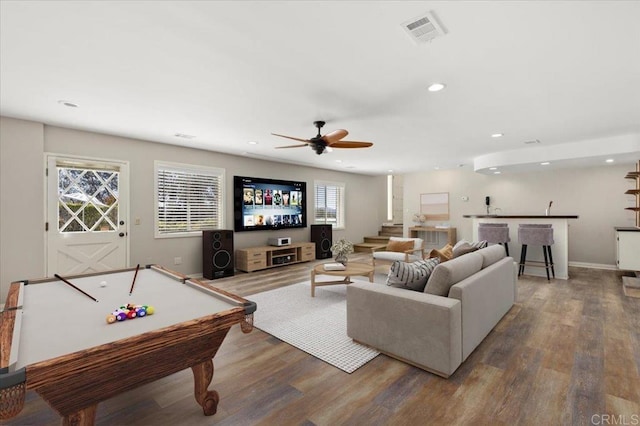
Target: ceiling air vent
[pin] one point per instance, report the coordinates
(423, 28)
(533, 142)
(184, 136)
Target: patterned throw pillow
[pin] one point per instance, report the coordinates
(464, 248)
(413, 275)
(479, 244)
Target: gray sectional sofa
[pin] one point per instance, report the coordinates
(433, 332)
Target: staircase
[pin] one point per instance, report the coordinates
(382, 238)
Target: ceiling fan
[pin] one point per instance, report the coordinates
(320, 143)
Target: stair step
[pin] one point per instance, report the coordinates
(377, 239)
(393, 231)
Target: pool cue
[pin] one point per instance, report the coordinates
(67, 282)
(134, 279)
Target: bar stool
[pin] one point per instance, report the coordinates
(495, 233)
(536, 235)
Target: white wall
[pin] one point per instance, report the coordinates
(21, 202)
(364, 217)
(595, 194)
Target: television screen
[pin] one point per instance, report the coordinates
(261, 204)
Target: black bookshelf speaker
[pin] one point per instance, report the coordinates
(321, 236)
(217, 254)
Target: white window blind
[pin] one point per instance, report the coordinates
(189, 199)
(329, 206)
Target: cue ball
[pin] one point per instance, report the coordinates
(103, 283)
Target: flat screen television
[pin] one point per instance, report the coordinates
(261, 204)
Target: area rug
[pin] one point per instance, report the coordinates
(316, 325)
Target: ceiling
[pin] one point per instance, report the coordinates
(230, 73)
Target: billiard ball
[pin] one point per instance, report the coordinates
(150, 310)
(121, 316)
(111, 319)
(131, 314)
(103, 283)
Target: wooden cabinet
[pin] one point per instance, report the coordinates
(257, 258)
(628, 248)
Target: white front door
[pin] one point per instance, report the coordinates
(87, 215)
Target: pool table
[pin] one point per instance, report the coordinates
(55, 339)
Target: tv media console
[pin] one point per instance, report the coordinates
(257, 258)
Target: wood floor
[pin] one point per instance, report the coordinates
(567, 353)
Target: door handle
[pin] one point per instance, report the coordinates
(122, 234)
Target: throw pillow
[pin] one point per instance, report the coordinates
(444, 254)
(461, 249)
(411, 276)
(399, 246)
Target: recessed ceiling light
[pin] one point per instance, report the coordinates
(609, 160)
(390, 170)
(545, 163)
(68, 104)
(338, 161)
(497, 172)
(252, 143)
(497, 135)
(493, 168)
(436, 87)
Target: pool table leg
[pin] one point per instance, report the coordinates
(84, 417)
(202, 375)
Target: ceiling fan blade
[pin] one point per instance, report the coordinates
(334, 136)
(291, 137)
(351, 144)
(290, 146)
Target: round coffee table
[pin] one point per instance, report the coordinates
(352, 269)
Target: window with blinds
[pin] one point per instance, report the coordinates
(329, 206)
(188, 199)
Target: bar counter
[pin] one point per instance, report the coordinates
(560, 248)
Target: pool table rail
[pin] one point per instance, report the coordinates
(101, 372)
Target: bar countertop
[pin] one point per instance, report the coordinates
(519, 216)
(627, 229)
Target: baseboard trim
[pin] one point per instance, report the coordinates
(593, 265)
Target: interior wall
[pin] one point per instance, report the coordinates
(363, 214)
(595, 194)
(21, 202)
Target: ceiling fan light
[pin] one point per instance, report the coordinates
(436, 87)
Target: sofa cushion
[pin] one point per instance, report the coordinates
(492, 254)
(412, 276)
(399, 246)
(449, 273)
(463, 247)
